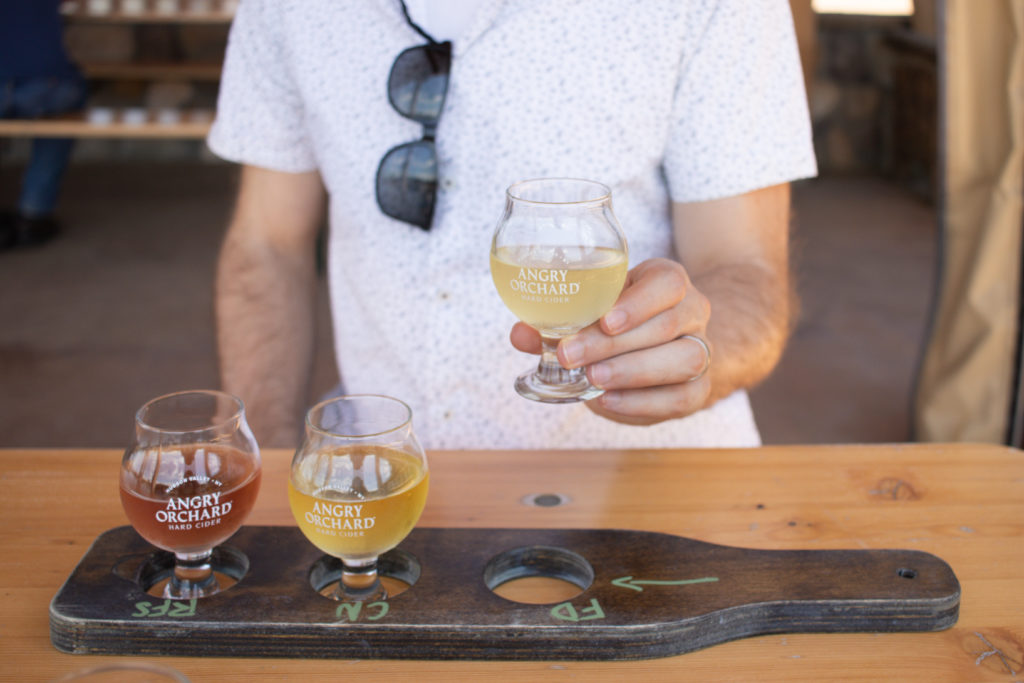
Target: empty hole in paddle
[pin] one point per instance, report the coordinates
(538, 575)
(152, 572)
(398, 571)
(907, 573)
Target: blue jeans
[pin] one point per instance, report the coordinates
(31, 99)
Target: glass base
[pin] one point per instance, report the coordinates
(343, 593)
(572, 387)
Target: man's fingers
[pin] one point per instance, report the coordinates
(656, 307)
(653, 404)
(651, 287)
(525, 338)
(592, 345)
(677, 362)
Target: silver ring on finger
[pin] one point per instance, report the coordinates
(707, 356)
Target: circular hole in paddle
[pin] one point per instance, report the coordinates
(538, 575)
(907, 573)
(230, 565)
(398, 571)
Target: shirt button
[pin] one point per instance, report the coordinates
(444, 296)
(447, 183)
(447, 414)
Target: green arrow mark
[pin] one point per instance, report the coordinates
(635, 584)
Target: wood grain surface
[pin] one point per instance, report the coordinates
(963, 503)
(640, 595)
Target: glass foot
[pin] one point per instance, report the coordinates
(572, 387)
(343, 593)
(177, 589)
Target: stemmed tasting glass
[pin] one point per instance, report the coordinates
(358, 484)
(559, 261)
(189, 481)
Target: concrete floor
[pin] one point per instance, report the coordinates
(864, 256)
(118, 308)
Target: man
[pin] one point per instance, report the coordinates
(692, 112)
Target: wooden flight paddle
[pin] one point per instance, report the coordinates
(642, 595)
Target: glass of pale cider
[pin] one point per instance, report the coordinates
(559, 261)
(189, 480)
(358, 485)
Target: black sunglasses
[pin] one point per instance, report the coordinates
(407, 175)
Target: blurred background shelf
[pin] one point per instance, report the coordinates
(80, 127)
(153, 68)
(153, 71)
(149, 11)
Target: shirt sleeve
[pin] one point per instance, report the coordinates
(740, 120)
(260, 116)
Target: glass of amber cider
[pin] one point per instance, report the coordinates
(358, 485)
(189, 480)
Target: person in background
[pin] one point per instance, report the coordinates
(37, 79)
(693, 112)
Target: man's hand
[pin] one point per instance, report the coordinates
(729, 288)
(635, 352)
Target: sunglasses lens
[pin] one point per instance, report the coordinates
(419, 81)
(407, 183)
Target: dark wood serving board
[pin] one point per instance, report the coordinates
(647, 595)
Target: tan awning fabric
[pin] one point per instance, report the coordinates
(965, 385)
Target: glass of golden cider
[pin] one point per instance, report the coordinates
(189, 480)
(358, 485)
(559, 261)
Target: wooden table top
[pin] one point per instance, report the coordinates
(962, 502)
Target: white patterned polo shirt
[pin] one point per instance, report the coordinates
(662, 100)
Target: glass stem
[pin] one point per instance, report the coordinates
(193, 575)
(360, 582)
(549, 370)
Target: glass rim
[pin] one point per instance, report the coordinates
(164, 671)
(353, 397)
(140, 421)
(606, 192)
